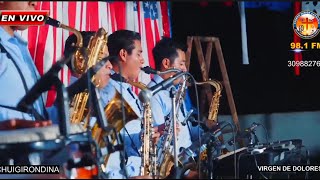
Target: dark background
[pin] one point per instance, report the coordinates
(267, 84)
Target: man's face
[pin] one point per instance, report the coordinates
(103, 75)
(134, 61)
(18, 5)
(179, 63)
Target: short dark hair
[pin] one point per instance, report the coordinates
(71, 41)
(122, 39)
(166, 48)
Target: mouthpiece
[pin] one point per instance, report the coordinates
(52, 22)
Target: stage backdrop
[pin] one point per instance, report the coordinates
(46, 43)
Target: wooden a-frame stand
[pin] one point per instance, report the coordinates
(205, 68)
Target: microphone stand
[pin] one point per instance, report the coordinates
(62, 102)
(214, 145)
(173, 98)
(209, 153)
(256, 140)
(253, 139)
(98, 112)
(102, 123)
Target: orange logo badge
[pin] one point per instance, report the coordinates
(306, 24)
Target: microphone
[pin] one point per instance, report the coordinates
(249, 130)
(218, 131)
(146, 94)
(42, 85)
(149, 70)
(82, 83)
(194, 123)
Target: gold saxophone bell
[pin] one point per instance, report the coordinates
(113, 110)
(114, 115)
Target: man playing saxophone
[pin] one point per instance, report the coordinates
(126, 46)
(102, 77)
(101, 80)
(169, 54)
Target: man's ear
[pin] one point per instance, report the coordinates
(123, 55)
(166, 63)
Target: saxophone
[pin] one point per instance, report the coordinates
(148, 150)
(214, 106)
(79, 109)
(213, 109)
(165, 150)
(79, 55)
(165, 158)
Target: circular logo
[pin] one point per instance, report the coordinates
(306, 24)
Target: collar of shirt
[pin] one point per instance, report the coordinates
(5, 36)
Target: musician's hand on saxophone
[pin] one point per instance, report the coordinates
(156, 135)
